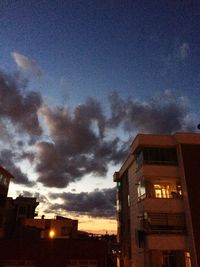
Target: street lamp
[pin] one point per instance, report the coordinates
(51, 234)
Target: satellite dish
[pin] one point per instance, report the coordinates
(198, 126)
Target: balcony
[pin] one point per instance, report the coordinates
(166, 242)
(161, 204)
(159, 170)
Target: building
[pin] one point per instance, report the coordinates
(53, 252)
(158, 202)
(57, 228)
(5, 177)
(16, 210)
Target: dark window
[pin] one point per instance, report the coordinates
(2, 200)
(22, 210)
(156, 155)
(129, 252)
(65, 231)
(1, 220)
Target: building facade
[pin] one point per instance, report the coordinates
(157, 202)
(58, 228)
(16, 210)
(53, 252)
(5, 177)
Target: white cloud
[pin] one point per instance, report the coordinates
(26, 64)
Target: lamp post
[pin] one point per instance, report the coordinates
(51, 237)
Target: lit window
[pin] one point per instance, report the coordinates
(118, 184)
(128, 200)
(161, 191)
(119, 206)
(167, 191)
(141, 190)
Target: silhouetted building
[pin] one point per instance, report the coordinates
(60, 227)
(54, 252)
(158, 202)
(16, 210)
(5, 177)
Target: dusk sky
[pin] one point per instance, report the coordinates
(78, 81)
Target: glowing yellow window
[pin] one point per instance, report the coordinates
(162, 191)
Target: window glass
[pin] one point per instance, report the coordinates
(167, 190)
(141, 190)
(156, 155)
(65, 231)
(22, 210)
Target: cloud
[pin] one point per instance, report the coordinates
(79, 145)
(80, 140)
(184, 50)
(164, 114)
(8, 159)
(39, 197)
(18, 106)
(176, 59)
(98, 203)
(26, 64)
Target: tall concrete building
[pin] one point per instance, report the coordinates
(158, 199)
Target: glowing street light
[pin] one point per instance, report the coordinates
(51, 234)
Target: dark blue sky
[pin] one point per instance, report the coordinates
(96, 47)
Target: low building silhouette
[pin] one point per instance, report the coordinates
(5, 178)
(15, 211)
(58, 228)
(53, 252)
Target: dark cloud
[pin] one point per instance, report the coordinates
(99, 203)
(27, 155)
(80, 141)
(39, 197)
(8, 160)
(18, 106)
(79, 145)
(164, 114)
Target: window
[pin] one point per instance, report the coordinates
(188, 259)
(65, 231)
(119, 206)
(128, 200)
(118, 185)
(4, 180)
(156, 155)
(170, 258)
(164, 221)
(167, 190)
(141, 190)
(129, 252)
(22, 210)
